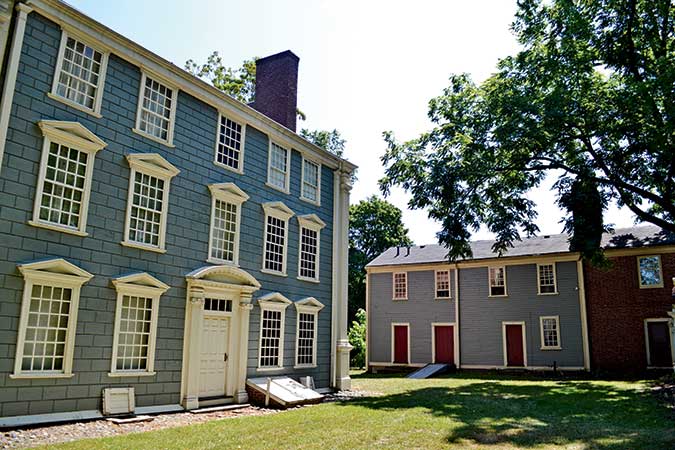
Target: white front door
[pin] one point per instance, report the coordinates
(213, 361)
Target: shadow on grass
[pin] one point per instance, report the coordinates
(579, 413)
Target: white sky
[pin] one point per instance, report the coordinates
(365, 66)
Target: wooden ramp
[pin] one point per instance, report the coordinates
(283, 392)
(429, 371)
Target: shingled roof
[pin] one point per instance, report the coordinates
(643, 236)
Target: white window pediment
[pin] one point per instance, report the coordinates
(309, 304)
(152, 164)
(278, 209)
(140, 282)
(56, 269)
(274, 300)
(72, 134)
(311, 221)
(229, 192)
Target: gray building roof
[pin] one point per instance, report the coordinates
(643, 236)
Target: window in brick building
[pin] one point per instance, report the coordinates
(442, 284)
(156, 110)
(48, 318)
(148, 201)
(278, 170)
(226, 204)
(80, 75)
(136, 315)
(400, 281)
(275, 248)
(64, 181)
(230, 144)
(310, 243)
(497, 281)
(546, 279)
(550, 332)
(649, 271)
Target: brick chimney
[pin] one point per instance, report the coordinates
(276, 88)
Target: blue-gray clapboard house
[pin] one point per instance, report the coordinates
(160, 242)
(525, 309)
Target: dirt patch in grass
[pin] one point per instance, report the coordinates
(664, 389)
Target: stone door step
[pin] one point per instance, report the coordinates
(125, 420)
(219, 408)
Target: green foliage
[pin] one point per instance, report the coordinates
(374, 226)
(589, 99)
(237, 83)
(328, 140)
(357, 338)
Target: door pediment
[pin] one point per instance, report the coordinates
(223, 276)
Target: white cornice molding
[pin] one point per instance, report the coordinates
(55, 269)
(154, 164)
(69, 18)
(309, 304)
(277, 209)
(311, 221)
(71, 134)
(228, 191)
(140, 281)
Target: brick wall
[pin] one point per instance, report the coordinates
(617, 308)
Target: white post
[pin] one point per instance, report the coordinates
(245, 307)
(196, 305)
(343, 382)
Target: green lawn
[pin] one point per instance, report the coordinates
(461, 411)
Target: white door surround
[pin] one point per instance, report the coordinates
(223, 282)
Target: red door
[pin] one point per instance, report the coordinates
(514, 346)
(444, 341)
(658, 336)
(401, 344)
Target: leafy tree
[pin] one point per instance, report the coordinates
(374, 226)
(588, 99)
(357, 338)
(237, 83)
(329, 140)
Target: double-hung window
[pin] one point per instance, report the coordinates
(649, 271)
(311, 181)
(546, 279)
(278, 169)
(64, 181)
(136, 316)
(48, 318)
(148, 201)
(226, 203)
(550, 332)
(310, 244)
(275, 248)
(442, 284)
(497, 281)
(230, 144)
(156, 110)
(272, 322)
(306, 331)
(80, 75)
(400, 286)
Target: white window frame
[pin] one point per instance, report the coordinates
(436, 272)
(672, 350)
(287, 189)
(506, 292)
(230, 193)
(172, 113)
(316, 202)
(314, 223)
(73, 135)
(154, 165)
(555, 279)
(284, 213)
(393, 286)
(96, 109)
(241, 123)
(141, 285)
(58, 273)
(273, 302)
(312, 306)
(652, 286)
(541, 332)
